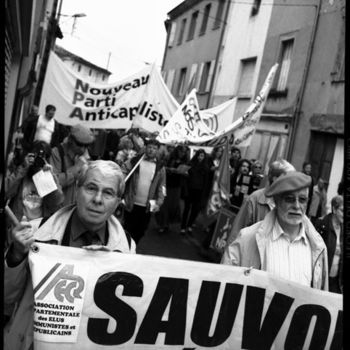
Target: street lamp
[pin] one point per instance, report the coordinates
(75, 16)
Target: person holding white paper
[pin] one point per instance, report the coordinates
(21, 191)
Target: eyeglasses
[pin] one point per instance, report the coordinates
(290, 199)
(94, 190)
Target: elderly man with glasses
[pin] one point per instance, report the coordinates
(89, 224)
(284, 243)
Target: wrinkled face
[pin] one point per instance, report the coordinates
(291, 207)
(307, 169)
(151, 151)
(97, 198)
(244, 169)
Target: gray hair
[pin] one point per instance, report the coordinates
(279, 167)
(107, 168)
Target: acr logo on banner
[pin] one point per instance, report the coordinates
(65, 285)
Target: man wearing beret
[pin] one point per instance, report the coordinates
(285, 243)
(68, 158)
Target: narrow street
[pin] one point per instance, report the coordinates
(172, 244)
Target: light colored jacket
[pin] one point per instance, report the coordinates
(18, 333)
(253, 209)
(249, 249)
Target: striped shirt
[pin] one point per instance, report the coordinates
(289, 260)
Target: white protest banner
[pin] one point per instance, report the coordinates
(186, 124)
(107, 106)
(142, 302)
(240, 132)
(219, 117)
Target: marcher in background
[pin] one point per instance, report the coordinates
(145, 190)
(21, 191)
(89, 224)
(176, 171)
(126, 151)
(240, 183)
(257, 205)
(234, 159)
(112, 142)
(196, 194)
(331, 230)
(256, 176)
(285, 243)
(307, 169)
(318, 205)
(68, 158)
(42, 128)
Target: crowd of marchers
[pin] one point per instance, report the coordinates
(109, 183)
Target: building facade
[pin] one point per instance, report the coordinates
(303, 118)
(304, 115)
(194, 33)
(85, 68)
(30, 31)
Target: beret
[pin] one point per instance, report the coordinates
(291, 181)
(82, 134)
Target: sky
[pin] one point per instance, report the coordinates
(121, 36)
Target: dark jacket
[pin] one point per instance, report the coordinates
(325, 228)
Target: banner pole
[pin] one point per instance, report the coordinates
(134, 168)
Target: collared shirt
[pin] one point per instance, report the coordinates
(289, 260)
(79, 234)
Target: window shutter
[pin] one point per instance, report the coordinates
(200, 72)
(210, 75)
(172, 34)
(170, 78)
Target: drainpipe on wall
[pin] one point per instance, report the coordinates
(218, 54)
(297, 110)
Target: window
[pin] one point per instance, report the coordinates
(103, 77)
(206, 76)
(284, 65)
(338, 71)
(245, 88)
(247, 76)
(205, 19)
(182, 31)
(90, 72)
(219, 12)
(192, 25)
(79, 67)
(181, 84)
(255, 8)
(172, 34)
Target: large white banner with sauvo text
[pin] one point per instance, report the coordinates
(103, 300)
(142, 97)
(188, 125)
